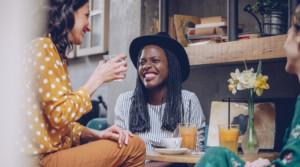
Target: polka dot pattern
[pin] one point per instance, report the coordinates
(52, 115)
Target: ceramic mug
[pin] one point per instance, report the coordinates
(171, 142)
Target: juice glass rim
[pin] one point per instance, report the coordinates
(188, 124)
(225, 126)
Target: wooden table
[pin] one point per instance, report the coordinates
(190, 158)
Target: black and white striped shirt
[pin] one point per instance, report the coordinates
(191, 106)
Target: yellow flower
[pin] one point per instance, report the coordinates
(232, 86)
(260, 84)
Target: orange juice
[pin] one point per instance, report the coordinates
(229, 137)
(188, 134)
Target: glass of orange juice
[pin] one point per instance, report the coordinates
(228, 136)
(188, 133)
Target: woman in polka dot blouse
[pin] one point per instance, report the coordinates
(52, 137)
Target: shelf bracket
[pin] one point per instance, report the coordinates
(232, 16)
(163, 15)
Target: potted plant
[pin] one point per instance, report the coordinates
(266, 6)
(274, 15)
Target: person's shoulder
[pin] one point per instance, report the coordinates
(124, 100)
(187, 93)
(43, 42)
(126, 95)
(43, 47)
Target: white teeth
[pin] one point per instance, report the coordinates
(149, 75)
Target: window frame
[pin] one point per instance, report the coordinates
(103, 47)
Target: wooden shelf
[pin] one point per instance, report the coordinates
(237, 51)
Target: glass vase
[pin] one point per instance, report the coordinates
(250, 143)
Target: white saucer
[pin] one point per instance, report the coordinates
(171, 151)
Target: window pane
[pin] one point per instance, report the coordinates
(96, 4)
(86, 39)
(97, 29)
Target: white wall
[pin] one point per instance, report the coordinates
(124, 27)
(15, 29)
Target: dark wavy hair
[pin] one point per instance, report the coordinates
(296, 19)
(60, 21)
(296, 22)
(139, 120)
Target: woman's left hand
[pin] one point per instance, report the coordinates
(116, 133)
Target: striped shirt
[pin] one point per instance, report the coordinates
(192, 111)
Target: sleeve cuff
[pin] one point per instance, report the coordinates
(76, 133)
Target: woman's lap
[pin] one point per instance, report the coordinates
(99, 153)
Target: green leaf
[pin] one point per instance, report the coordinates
(259, 68)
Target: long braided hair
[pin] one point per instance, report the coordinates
(139, 120)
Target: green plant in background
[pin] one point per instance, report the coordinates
(265, 6)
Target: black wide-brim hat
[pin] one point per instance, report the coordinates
(163, 40)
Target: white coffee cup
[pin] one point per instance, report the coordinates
(108, 57)
(171, 142)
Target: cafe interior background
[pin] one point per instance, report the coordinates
(126, 20)
(132, 18)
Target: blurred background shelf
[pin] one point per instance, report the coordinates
(264, 48)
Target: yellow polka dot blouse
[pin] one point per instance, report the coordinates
(51, 107)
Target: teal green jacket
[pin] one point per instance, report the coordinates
(290, 153)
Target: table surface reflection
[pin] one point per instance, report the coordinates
(190, 158)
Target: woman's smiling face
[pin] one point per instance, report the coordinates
(81, 24)
(153, 66)
(291, 47)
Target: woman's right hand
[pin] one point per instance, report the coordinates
(111, 70)
(106, 72)
(116, 133)
(258, 163)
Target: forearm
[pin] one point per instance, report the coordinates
(89, 135)
(92, 84)
(65, 107)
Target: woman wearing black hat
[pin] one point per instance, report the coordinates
(158, 103)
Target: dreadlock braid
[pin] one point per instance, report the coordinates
(173, 110)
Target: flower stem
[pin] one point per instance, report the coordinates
(250, 145)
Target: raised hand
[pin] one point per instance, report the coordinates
(111, 69)
(106, 72)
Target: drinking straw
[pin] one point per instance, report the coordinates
(189, 119)
(228, 112)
